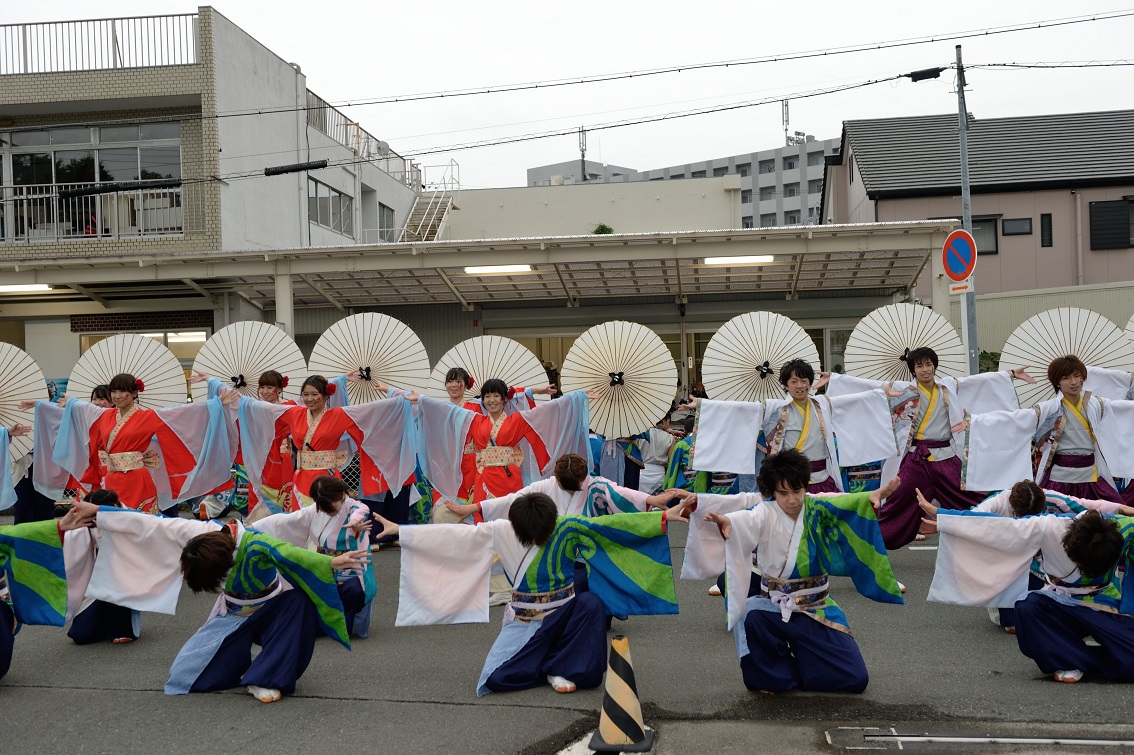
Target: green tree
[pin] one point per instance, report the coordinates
(602, 228)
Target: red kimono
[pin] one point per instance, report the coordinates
(491, 439)
(322, 438)
(120, 459)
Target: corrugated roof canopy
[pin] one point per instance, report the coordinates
(802, 260)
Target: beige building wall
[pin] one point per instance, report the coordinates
(653, 206)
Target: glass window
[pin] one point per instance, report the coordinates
(744, 168)
(746, 196)
(160, 162)
(768, 220)
(791, 190)
(324, 205)
(109, 134)
(767, 192)
(791, 217)
(30, 138)
(80, 135)
(767, 166)
(31, 168)
(336, 223)
(746, 221)
(118, 164)
(677, 175)
(160, 131)
(74, 166)
(312, 201)
(814, 158)
(386, 223)
(815, 186)
(1016, 226)
(984, 231)
(791, 162)
(718, 172)
(348, 215)
(697, 174)
(1045, 229)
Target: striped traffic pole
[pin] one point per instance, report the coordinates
(621, 728)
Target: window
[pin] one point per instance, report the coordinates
(746, 196)
(814, 158)
(850, 170)
(1016, 226)
(815, 186)
(78, 157)
(386, 229)
(791, 217)
(718, 172)
(744, 168)
(791, 162)
(676, 176)
(329, 208)
(746, 221)
(767, 192)
(1045, 229)
(697, 174)
(984, 231)
(1112, 224)
(768, 220)
(791, 190)
(767, 166)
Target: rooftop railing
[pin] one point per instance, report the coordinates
(334, 123)
(95, 44)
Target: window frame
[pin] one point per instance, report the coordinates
(1004, 227)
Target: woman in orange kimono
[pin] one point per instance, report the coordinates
(496, 437)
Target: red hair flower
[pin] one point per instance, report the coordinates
(285, 382)
(332, 388)
(139, 385)
(511, 393)
(469, 383)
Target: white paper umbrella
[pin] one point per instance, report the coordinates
(877, 347)
(20, 380)
(486, 357)
(239, 353)
(630, 369)
(1059, 332)
(380, 347)
(743, 359)
(141, 356)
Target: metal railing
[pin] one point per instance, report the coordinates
(32, 213)
(441, 189)
(130, 42)
(323, 116)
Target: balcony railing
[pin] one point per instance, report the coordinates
(35, 213)
(134, 42)
(334, 123)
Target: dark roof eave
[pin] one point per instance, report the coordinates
(1051, 184)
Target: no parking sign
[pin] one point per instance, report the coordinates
(958, 257)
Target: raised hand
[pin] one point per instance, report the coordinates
(389, 529)
(462, 510)
(824, 378)
(17, 430)
(724, 524)
(1021, 373)
(929, 509)
(352, 560)
(198, 377)
(677, 513)
(362, 525)
(882, 493)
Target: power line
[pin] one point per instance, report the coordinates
(1063, 64)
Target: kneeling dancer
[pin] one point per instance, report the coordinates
(792, 634)
(552, 634)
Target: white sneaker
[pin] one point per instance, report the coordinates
(500, 599)
(1070, 676)
(902, 588)
(1091, 642)
(561, 685)
(264, 694)
(714, 590)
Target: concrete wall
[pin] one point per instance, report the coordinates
(1021, 263)
(52, 345)
(702, 204)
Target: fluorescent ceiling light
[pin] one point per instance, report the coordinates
(198, 337)
(750, 260)
(24, 288)
(497, 269)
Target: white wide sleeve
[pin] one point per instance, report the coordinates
(747, 527)
(444, 574)
(863, 426)
(704, 546)
(726, 437)
(983, 560)
(998, 449)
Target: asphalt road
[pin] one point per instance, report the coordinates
(933, 668)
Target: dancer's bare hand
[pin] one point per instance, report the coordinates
(352, 560)
(824, 378)
(877, 497)
(26, 404)
(724, 524)
(1021, 373)
(389, 529)
(463, 510)
(198, 377)
(676, 513)
(929, 509)
(361, 525)
(18, 431)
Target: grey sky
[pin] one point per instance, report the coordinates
(351, 49)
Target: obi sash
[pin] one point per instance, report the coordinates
(499, 456)
(313, 460)
(240, 604)
(800, 594)
(127, 461)
(533, 606)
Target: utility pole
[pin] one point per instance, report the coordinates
(968, 298)
(582, 154)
